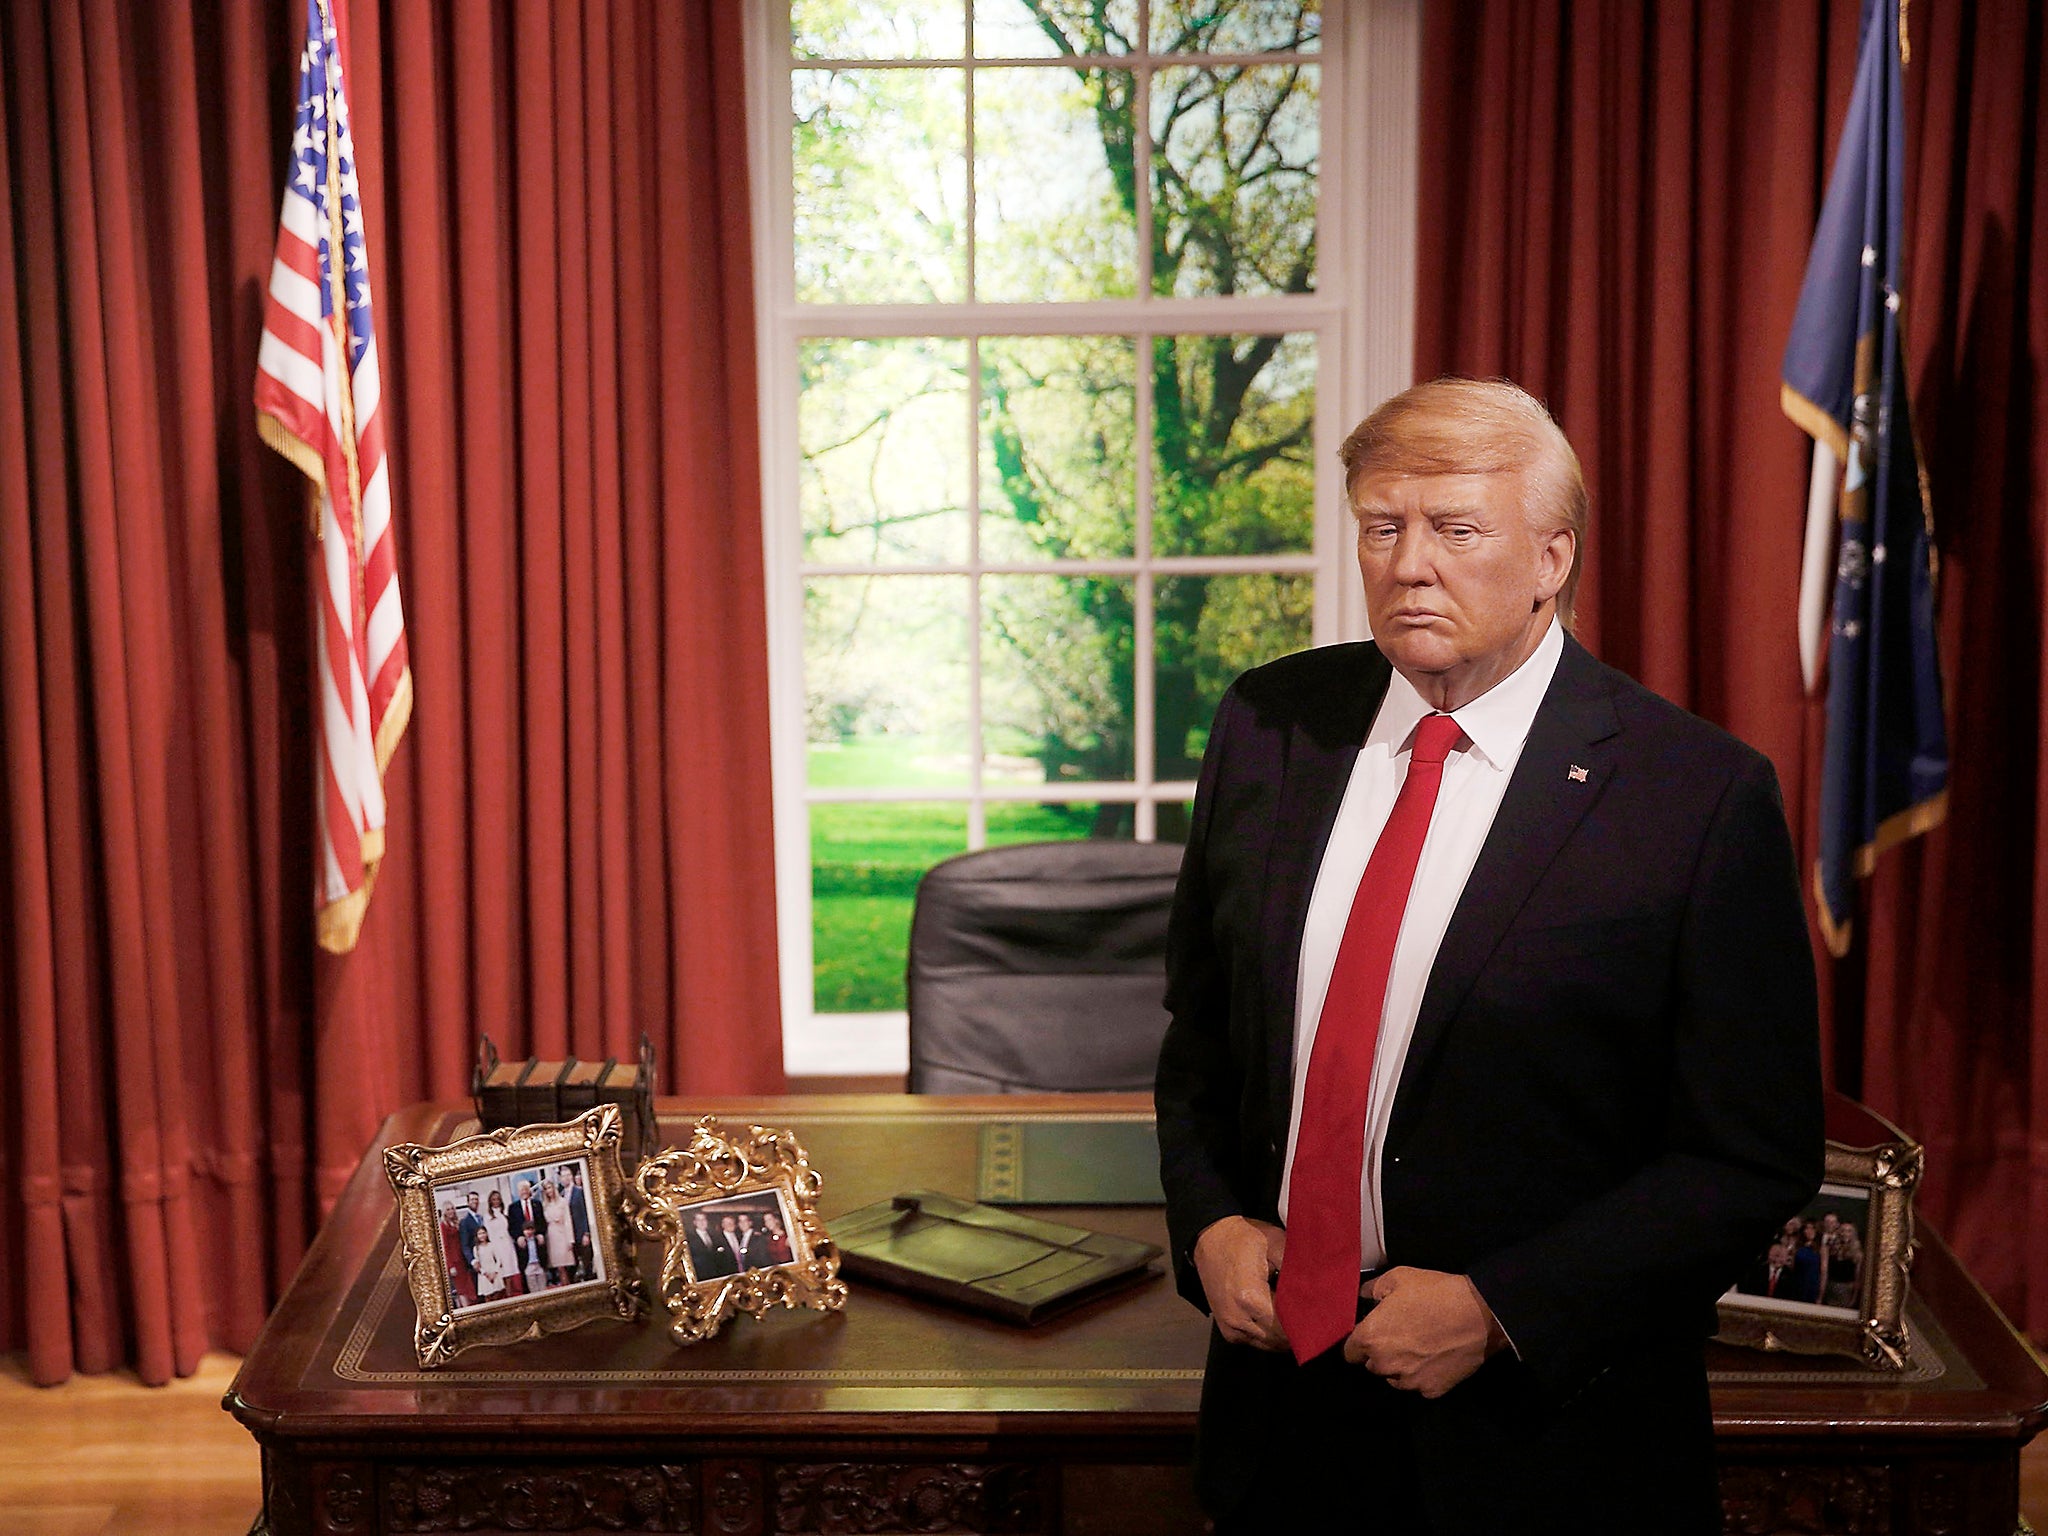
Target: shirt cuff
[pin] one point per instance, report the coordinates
(1496, 1336)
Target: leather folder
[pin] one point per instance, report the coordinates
(1001, 1263)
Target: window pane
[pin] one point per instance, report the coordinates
(882, 426)
(1232, 442)
(860, 29)
(1237, 26)
(880, 187)
(1234, 180)
(1034, 29)
(885, 680)
(866, 861)
(1208, 629)
(1021, 821)
(1055, 211)
(1058, 476)
(1172, 819)
(1056, 690)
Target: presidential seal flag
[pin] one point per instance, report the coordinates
(1885, 772)
(319, 403)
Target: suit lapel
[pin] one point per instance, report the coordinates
(1319, 757)
(1563, 769)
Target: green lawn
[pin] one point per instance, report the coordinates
(869, 857)
(866, 860)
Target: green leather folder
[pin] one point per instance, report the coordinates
(1069, 1162)
(1002, 1263)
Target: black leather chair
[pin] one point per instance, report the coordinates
(1040, 967)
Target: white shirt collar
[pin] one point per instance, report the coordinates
(1497, 722)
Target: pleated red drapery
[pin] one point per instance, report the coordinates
(1617, 205)
(580, 833)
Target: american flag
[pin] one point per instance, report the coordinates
(319, 403)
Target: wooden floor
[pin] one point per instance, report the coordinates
(106, 1456)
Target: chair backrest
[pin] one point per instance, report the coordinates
(1041, 966)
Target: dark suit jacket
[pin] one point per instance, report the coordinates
(518, 1228)
(1613, 1087)
(579, 1214)
(471, 1226)
(709, 1256)
(738, 1248)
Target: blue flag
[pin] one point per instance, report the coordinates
(1886, 766)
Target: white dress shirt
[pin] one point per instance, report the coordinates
(1496, 725)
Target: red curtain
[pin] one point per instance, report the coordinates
(580, 839)
(1616, 209)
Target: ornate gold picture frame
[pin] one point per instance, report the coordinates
(1833, 1280)
(737, 1219)
(514, 1233)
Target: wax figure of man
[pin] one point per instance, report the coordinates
(1481, 955)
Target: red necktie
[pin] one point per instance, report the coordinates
(1318, 1295)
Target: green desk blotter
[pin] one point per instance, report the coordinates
(1069, 1162)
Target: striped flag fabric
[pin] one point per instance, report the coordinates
(319, 402)
(1885, 766)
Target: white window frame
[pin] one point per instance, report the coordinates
(1362, 315)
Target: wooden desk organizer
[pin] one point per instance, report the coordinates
(536, 1092)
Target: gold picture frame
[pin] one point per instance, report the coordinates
(737, 1219)
(1862, 1314)
(491, 1257)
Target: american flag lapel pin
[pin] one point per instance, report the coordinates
(1578, 774)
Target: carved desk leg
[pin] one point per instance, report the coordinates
(317, 1498)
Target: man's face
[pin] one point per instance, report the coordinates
(746, 1224)
(526, 1189)
(1456, 577)
(725, 1224)
(472, 1200)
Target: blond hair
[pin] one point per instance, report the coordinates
(1457, 426)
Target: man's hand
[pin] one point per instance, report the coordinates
(1237, 1259)
(1427, 1332)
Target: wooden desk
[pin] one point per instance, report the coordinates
(900, 1416)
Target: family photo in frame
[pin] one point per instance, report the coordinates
(736, 1214)
(507, 1235)
(1834, 1278)
(1815, 1259)
(514, 1233)
(735, 1233)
